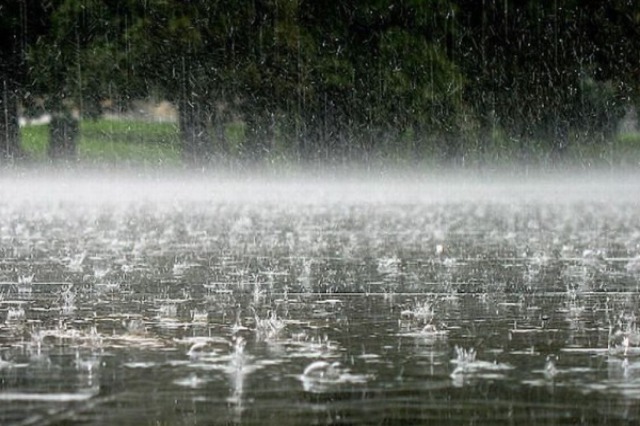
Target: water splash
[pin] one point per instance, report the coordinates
(25, 284)
(269, 328)
(202, 348)
(68, 300)
(322, 370)
(15, 314)
(323, 376)
(75, 264)
(550, 370)
(467, 367)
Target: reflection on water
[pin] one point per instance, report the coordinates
(182, 309)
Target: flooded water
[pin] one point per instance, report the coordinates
(212, 301)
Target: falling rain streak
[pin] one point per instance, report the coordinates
(299, 212)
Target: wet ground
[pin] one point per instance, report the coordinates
(209, 301)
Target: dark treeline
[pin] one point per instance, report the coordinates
(325, 79)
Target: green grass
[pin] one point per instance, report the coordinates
(621, 151)
(129, 142)
(144, 143)
(35, 139)
(626, 149)
(113, 142)
(130, 131)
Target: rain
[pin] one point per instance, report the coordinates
(293, 212)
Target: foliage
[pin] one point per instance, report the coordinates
(327, 79)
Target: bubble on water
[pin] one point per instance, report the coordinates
(201, 348)
(323, 376)
(322, 370)
(431, 330)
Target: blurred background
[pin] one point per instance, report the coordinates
(460, 83)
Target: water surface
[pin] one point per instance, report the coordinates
(268, 301)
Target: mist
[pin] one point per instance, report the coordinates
(319, 187)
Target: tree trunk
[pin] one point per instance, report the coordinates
(9, 126)
(63, 137)
(308, 137)
(260, 136)
(219, 125)
(194, 131)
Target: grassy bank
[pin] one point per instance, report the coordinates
(144, 143)
(128, 142)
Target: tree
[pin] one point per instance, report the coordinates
(21, 22)
(544, 69)
(380, 70)
(329, 79)
(187, 53)
(78, 63)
